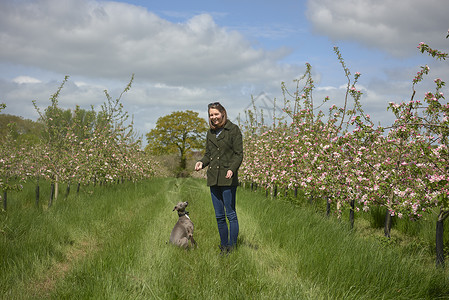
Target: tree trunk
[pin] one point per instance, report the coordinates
(37, 191)
(183, 162)
(351, 214)
(67, 191)
(56, 187)
(439, 244)
(5, 198)
(52, 194)
(78, 188)
(387, 224)
(328, 208)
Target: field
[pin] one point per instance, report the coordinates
(110, 242)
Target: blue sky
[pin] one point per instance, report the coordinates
(186, 54)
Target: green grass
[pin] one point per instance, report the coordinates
(111, 243)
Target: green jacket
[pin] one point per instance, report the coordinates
(223, 153)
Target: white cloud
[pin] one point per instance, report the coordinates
(177, 66)
(326, 88)
(391, 25)
(26, 79)
(115, 40)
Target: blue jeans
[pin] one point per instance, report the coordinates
(223, 199)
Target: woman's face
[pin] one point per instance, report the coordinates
(215, 116)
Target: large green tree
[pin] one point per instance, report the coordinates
(179, 132)
(23, 130)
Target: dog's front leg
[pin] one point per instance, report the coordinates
(193, 242)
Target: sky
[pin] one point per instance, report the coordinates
(186, 54)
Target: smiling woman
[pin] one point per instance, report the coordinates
(217, 118)
(223, 157)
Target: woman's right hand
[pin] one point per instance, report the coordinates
(198, 166)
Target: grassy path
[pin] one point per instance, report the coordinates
(112, 244)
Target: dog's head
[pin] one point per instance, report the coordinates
(181, 206)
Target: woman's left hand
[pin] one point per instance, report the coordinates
(198, 166)
(229, 174)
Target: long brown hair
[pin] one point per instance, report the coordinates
(222, 110)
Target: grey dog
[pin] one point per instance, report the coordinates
(183, 230)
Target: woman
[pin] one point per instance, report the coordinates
(223, 156)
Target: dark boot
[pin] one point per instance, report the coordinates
(231, 248)
(226, 250)
(223, 250)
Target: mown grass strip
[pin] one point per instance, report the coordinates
(327, 255)
(112, 244)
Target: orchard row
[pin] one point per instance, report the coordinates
(76, 147)
(344, 158)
